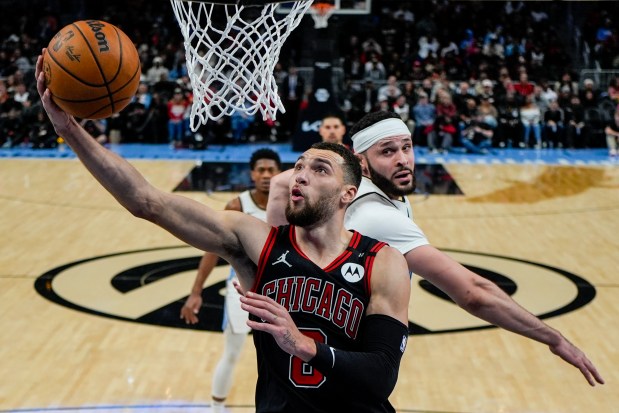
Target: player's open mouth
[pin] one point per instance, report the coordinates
(296, 194)
(403, 176)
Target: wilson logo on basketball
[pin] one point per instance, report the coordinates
(352, 272)
(96, 26)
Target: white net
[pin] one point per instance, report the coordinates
(231, 52)
(321, 12)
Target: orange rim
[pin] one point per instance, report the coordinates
(322, 8)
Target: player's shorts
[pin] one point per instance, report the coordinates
(234, 315)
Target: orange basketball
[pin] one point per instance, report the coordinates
(92, 69)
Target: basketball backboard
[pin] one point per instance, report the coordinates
(341, 6)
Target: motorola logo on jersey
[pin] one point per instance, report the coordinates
(150, 287)
(352, 272)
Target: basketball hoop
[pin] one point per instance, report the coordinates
(320, 12)
(231, 49)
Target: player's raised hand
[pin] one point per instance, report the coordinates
(57, 116)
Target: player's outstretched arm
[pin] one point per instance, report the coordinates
(278, 198)
(228, 233)
(191, 308)
(486, 300)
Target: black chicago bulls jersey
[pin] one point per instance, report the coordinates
(327, 304)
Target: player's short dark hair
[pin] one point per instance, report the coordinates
(264, 153)
(333, 115)
(351, 166)
(372, 118)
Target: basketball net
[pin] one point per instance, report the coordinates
(231, 52)
(321, 12)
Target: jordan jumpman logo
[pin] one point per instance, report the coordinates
(282, 258)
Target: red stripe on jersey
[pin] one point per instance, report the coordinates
(369, 263)
(266, 251)
(354, 242)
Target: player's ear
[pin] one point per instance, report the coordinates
(365, 171)
(348, 193)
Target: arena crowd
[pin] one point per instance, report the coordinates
(465, 76)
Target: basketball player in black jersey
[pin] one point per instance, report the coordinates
(329, 307)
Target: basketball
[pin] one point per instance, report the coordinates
(92, 69)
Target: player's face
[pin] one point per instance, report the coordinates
(263, 171)
(391, 163)
(332, 130)
(315, 188)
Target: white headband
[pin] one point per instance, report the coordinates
(362, 140)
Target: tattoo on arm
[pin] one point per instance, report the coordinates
(288, 340)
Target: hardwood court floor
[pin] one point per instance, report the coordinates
(532, 224)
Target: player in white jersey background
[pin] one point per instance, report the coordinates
(264, 164)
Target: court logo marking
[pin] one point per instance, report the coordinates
(150, 287)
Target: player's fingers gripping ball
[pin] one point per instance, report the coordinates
(92, 69)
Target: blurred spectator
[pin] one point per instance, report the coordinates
(366, 99)
(554, 119)
(524, 88)
(613, 89)
(445, 125)
(462, 93)
(418, 72)
(537, 61)
(42, 134)
(424, 114)
(374, 69)
(22, 95)
(589, 99)
(177, 106)
(565, 96)
(612, 134)
(540, 101)
(494, 50)
(589, 86)
(488, 111)
(477, 136)
(143, 96)
(409, 93)
(403, 109)
(605, 31)
(509, 130)
(428, 47)
(157, 72)
(390, 91)
(566, 82)
(530, 116)
(371, 47)
(96, 128)
(486, 88)
(547, 93)
(11, 125)
(576, 129)
(240, 122)
(404, 13)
